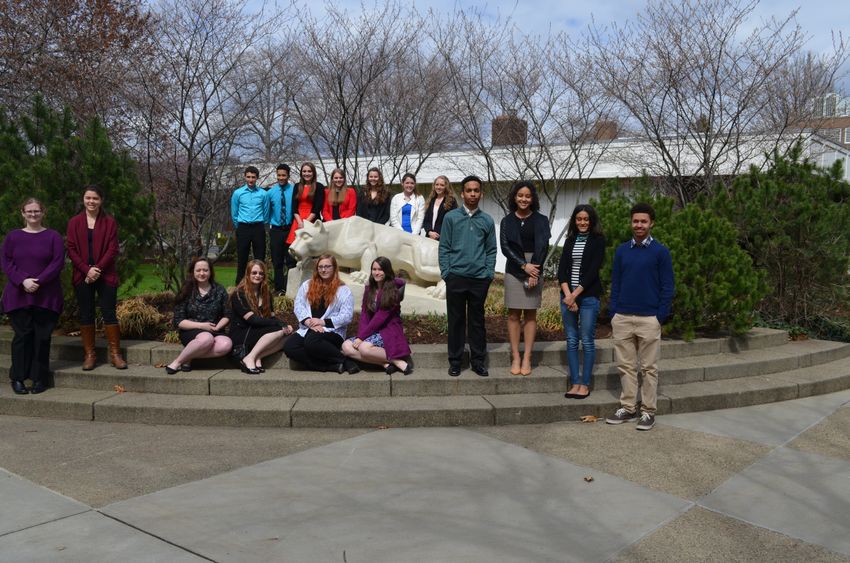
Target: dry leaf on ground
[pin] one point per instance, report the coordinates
(589, 418)
(119, 388)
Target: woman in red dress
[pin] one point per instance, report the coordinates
(309, 198)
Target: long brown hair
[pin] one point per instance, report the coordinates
(321, 290)
(337, 197)
(383, 191)
(190, 285)
(448, 195)
(259, 301)
(311, 187)
(390, 298)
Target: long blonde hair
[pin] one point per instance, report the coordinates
(448, 195)
(337, 196)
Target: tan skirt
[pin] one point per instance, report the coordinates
(518, 297)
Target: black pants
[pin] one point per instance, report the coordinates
(249, 236)
(281, 259)
(33, 327)
(465, 310)
(108, 296)
(319, 351)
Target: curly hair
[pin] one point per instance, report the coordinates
(535, 200)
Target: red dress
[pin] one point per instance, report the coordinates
(303, 207)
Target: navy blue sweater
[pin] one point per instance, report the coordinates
(642, 281)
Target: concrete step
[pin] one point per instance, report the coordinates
(283, 382)
(394, 411)
(142, 352)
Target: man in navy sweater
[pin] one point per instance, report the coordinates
(641, 295)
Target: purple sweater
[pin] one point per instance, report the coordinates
(32, 255)
(387, 323)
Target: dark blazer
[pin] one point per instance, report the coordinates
(591, 262)
(429, 216)
(375, 212)
(104, 244)
(511, 244)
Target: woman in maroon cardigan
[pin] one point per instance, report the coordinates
(380, 335)
(92, 243)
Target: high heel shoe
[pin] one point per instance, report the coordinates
(246, 369)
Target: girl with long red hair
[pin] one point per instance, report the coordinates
(324, 306)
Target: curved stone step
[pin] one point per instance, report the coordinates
(434, 381)
(447, 410)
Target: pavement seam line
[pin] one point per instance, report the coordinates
(60, 518)
(169, 542)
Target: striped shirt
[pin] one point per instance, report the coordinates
(578, 250)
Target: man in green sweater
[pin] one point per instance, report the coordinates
(467, 264)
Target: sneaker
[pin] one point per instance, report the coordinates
(621, 416)
(647, 421)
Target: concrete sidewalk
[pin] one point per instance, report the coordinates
(763, 483)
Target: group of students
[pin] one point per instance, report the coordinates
(285, 206)
(641, 287)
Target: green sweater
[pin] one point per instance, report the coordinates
(468, 245)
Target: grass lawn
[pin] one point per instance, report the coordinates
(151, 283)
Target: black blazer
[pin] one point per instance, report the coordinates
(375, 212)
(591, 262)
(511, 244)
(429, 217)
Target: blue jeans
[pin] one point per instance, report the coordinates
(581, 324)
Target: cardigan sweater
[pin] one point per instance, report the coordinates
(105, 244)
(591, 262)
(32, 255)
(429, 217)
(337, 315)
(347, 206)
(509, 239)
(417, 211)
(387, 323)
(642, 281)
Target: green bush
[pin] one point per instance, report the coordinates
(717, 288)
(794, 221)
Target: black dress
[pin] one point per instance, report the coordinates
(245, 333)
(209, 308)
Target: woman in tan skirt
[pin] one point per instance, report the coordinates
(524, 237)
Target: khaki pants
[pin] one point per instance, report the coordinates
(637, 338)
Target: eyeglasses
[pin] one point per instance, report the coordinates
(325, 267)
(261, 274)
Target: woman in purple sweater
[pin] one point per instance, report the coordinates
(380, 335)
(32, 259)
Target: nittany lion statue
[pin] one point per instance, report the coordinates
(356, 242)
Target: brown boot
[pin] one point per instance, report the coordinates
(90, 359)
(113, 338)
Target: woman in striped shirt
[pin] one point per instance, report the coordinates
(578, 276)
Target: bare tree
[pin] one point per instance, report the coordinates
(704, 93)
(197, 93)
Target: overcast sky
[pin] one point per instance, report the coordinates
(818, 18)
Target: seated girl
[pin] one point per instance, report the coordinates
(380, 336)
(200, 315)
(324, 306)
(255, 331)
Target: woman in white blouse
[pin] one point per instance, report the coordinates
(407, 209)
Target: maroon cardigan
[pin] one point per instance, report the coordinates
(104, 243)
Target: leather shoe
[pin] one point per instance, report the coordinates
(351, 366)
(246, 369)
(390, 369)
(170, 370)
(481, 371)
(185, 367)
(19, 388)
(38, 387)
(454, 371)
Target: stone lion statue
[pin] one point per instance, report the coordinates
(356, 242)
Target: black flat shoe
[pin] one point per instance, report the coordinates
(570, 395)
(185, 367)
(577, 396)
(170, 370)
(246, 369)
(454, 371)
(390, 369)
(38, 387)
(19, 388)
(408, 370)
(351, 366)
